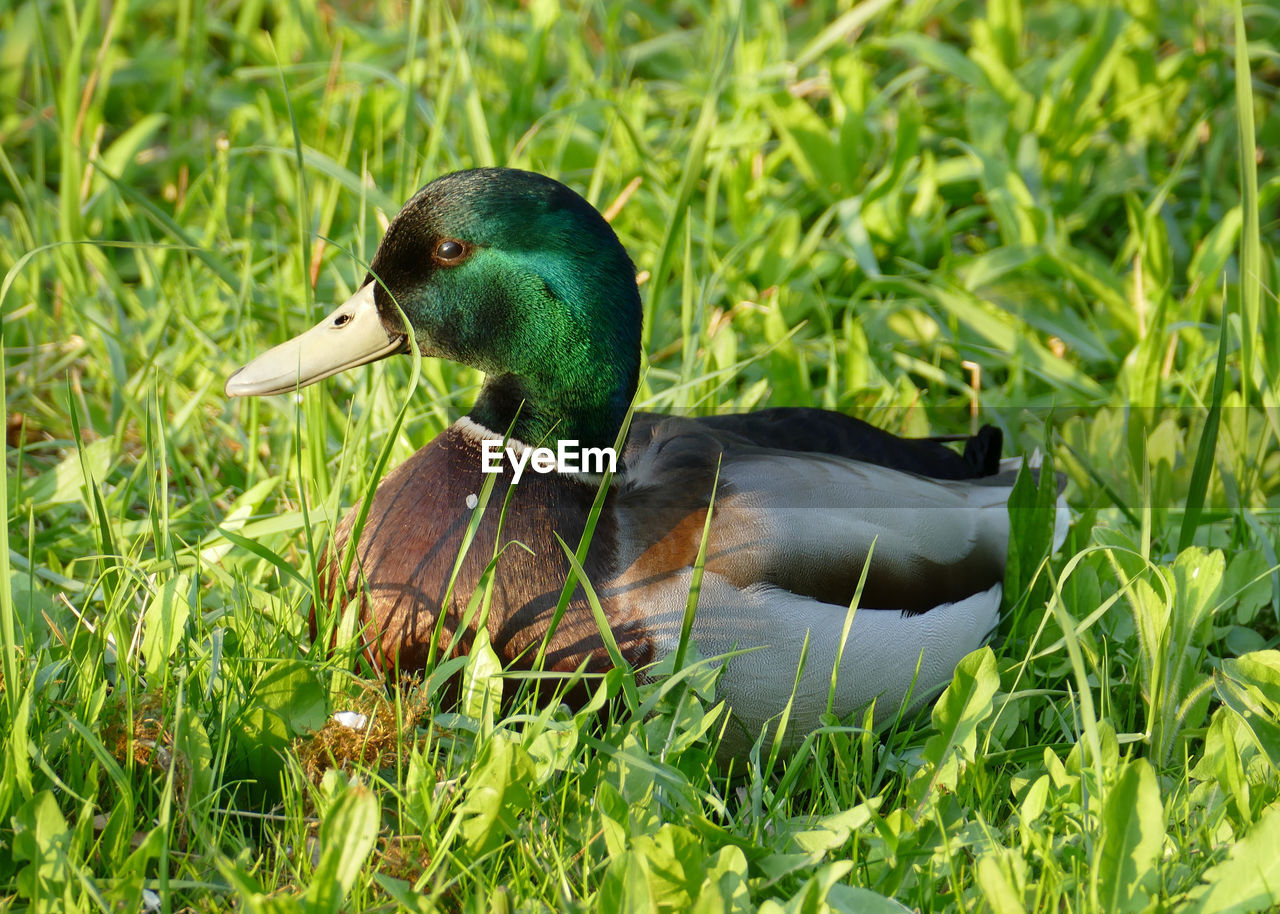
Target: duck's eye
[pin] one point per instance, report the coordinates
(449, 252)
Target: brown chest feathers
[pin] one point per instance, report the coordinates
(411, 542)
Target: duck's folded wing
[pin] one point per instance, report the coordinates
(821, 431)
(807, 522)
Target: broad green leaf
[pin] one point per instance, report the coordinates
(854, 899)
(286, 703)
(1221, 761)
(614, 818)
(1132, 834)
(997, 889)
(1037, 796)
(1246, 702)
(259, 739)
(497, 794)
(817, 895)
(64, 482)
(552, 749)
(482, 682)
(625, 886)
(347, 836)
(965, 703)
(1260, 670)
(127, 889)
(1248, 577)
(1197, 576)
(41, 840)
(674, 862)
(725, 889)
(403, 894)
(833, 830)
(191, 742)
(293, 692)
(1152, 610)
(15, 779)
(164, 621)
(1249, 878)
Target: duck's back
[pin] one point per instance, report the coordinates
(805, 429)
(806, 516)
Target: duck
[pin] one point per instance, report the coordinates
(515, 274)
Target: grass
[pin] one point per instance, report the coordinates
(1056, 215)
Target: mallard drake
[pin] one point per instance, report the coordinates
(517, 275)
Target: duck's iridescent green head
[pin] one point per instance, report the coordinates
(507, 271)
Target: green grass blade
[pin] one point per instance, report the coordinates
(1207, 449)
(1253, 327)
(8, 612)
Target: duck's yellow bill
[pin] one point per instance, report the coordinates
(353, 334)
